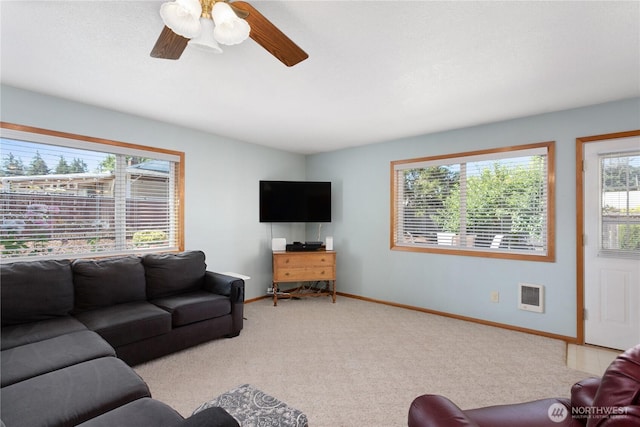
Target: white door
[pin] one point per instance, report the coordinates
(612, 242)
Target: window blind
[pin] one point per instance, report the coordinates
(489, 202)
(59, 199)
(620, 205)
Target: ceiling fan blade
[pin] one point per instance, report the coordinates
(270, 37)
(169, 45)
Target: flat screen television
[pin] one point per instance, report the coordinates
(295, 201)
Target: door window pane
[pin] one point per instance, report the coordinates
(620, 204)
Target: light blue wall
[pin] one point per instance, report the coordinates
(458, 284)
(221, 196)
(221, 182)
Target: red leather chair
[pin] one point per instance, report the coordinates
(610, 401)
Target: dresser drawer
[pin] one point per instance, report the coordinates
(304, 260)
(304, 274)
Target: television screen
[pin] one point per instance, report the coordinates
(295, 201)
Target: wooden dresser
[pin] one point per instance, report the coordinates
(312, 267)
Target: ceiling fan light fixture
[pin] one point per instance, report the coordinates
(182, 17)
(229, 28)
(205, 40)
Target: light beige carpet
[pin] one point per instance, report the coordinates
(357, 363)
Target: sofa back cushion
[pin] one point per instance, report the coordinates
(106, 282)
(171, 274)
(619, 386)
(35, 290)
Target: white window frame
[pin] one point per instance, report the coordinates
(175, 199)
(460, 243)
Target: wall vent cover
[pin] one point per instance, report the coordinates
(531, 297)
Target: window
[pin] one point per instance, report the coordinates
(493, 203)
(72, 196)
(620, 202)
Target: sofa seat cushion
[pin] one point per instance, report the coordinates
(107, 282)
(35, 290)
(126, 323)
(30, 360)
(171, 274)
(139, 413)
(194, 306)
(25, 333)
(72, 395)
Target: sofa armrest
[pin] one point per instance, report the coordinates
(527, 414)
(233, 288)
(430, 410)
(221, 284)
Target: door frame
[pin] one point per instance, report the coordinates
(580, 231)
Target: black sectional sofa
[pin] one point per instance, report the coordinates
(70, 330)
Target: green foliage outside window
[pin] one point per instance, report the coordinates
(629, 237)
(501, 198)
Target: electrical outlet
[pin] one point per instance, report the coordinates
(495, 296)
(269, 290)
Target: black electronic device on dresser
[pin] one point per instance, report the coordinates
(301, 247)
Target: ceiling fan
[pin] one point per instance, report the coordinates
(205, 23)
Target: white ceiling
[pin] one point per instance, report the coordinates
(377, 70)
